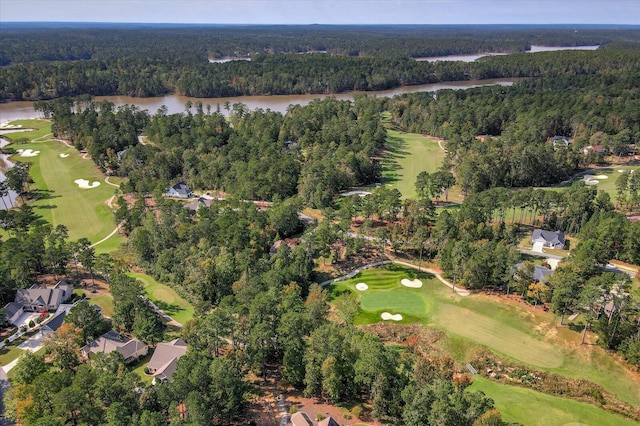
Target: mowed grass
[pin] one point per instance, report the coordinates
(10, 353)
(387, 294)
(105, 301)
(83, 211)
(406, 156)
(528, 407)
(166, 298)
(509, 330)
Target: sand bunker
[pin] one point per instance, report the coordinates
(64, 155)
(27, 152)
(393, 317)
(411, 283)
(6, 125)
(602, 177)
(84, 184)
(593, 180)
(361, 286)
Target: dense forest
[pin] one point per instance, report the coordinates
(258, 307)
(51, 63)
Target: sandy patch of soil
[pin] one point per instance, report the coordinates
(64, 155)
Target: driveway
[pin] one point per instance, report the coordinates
(25, 318)
(33, 343)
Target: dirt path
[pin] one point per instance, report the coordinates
(107, 237)
(106, 179)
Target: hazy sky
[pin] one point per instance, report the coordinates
(327, 11)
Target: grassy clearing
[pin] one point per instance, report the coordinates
(529, 407)
(166, 298)
(83, 211)
(407, 155)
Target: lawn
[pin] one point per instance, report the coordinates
(510, 330)
(10, 353)
(140, 366)
(406, 156)
(83, 211)
(105, 301)
(166, 298)
(528, 407)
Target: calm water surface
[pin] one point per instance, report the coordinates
(174, 103)
(474, 56)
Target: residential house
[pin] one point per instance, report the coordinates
(180, 190)
(164, 359)
(13, 311)
(301, 419)
(560, 141)
(598, 149)
(54, 324)
(550, 239)
(291, 242)
(200, 202)
(541, 274)
(37, 299)
(130, 350)
(328, 422)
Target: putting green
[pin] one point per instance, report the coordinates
(400, 300)
(476, 320)
(164, 295)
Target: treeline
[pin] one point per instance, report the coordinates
(313, 151)
(271, 74)
(24, 44)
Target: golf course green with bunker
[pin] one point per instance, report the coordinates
(69, 189)
(510, 330)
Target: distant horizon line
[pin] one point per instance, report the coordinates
(87, 23)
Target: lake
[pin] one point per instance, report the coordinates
(472, 57)
(175, 103)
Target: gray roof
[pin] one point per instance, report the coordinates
(328, 422)
(200, 202)
(56, 321)
(182, 189)
(540, 273)
(165, 358)
(111, 341)
(301, 419)
(11, 308)
(44, 296)
(549, 236)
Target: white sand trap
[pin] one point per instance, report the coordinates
(64, 155)
(590, 182)
(361, 286)
(27, 152)
(84, 184)
(601, 177)
(411, 283)
(393, 317)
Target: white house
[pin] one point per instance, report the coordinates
(549, 238)
(180, 190)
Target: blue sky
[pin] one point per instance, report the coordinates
(327, 11)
